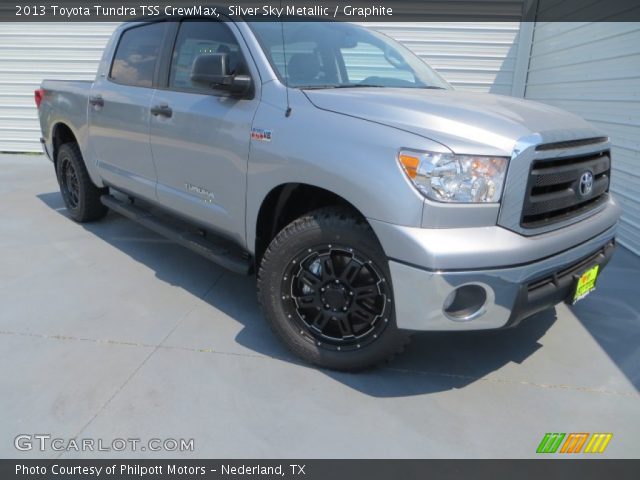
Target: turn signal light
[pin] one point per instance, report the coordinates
(410, 164)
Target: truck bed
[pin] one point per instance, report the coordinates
(65, 101)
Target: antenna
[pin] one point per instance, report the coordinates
(287, 113)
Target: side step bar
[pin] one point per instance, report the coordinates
(223, 253)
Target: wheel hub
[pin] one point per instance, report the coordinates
(338, 298)
(335, 297)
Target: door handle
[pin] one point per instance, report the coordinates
(96, 101)
(163, 110)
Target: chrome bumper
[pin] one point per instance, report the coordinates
(485, 247)
(420, 293)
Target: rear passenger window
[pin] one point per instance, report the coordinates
(200, 37)
(137, 54)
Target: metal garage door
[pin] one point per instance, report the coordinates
(477, 56)
(593, 69)
(473, 56)
(30, 52)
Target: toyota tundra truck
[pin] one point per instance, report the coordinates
(370, 199)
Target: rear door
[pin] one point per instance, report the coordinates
(119, 114)
(200, 137)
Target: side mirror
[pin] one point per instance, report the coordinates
(211, 71)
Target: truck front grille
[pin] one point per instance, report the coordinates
(554, 192)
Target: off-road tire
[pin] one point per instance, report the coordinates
(339, 232)
(81, 196)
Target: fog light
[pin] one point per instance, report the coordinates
(465, 303)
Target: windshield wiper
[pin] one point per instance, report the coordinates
(360, 85)
(350, 85)
(365, 85)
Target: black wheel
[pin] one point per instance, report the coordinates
(325, 288)
(80, 194)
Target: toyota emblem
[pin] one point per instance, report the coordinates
(586, 183)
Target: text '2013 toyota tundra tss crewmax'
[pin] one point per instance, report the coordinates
(370, 198)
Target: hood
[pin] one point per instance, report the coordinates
(467, 123)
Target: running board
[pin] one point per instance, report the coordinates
(221, 252)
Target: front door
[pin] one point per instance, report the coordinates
(200, 137)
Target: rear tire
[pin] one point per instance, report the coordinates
(81, 196)
(325, 288)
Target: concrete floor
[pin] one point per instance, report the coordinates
(108, 331)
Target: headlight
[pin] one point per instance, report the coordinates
(446, 177)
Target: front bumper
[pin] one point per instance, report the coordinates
(512, 293)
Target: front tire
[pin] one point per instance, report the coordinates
(81, 196)
(325, 288)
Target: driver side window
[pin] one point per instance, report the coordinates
(366, 60)
(198, 37)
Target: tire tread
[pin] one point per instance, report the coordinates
(91, 208)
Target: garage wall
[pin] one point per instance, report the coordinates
(593, 69)
(478, 56)
(472, 56)
(30, 52)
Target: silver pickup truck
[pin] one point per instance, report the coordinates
(370, 198)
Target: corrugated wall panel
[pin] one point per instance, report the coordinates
(472, 56)
(593, 69)
(30, 52)
(477, 56)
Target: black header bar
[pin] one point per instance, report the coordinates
(347, 10)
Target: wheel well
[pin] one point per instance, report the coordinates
(287, 202)
(61, 134)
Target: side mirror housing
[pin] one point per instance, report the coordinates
(212, 71)
(209, 69)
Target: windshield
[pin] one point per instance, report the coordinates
(341, 55)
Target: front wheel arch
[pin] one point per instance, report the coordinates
(286, 202)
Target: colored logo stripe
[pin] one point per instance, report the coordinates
(550, 443)
(574, 442)
(598, 442)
